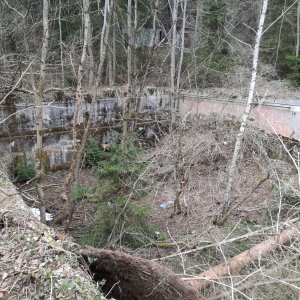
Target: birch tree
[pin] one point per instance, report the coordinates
(233, 165)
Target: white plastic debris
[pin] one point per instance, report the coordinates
(36, 213)
(167, 204)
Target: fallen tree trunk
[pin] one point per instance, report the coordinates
(128, 277)
(243, 259)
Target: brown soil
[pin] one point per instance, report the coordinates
(84, 212)
(136, 279)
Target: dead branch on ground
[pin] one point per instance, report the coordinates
(235, 264)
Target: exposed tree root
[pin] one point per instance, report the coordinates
(133, 278)
(243, 259)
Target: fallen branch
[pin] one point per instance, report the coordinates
(252, 285)
(262, 231)
(235, 264)
(235, 204)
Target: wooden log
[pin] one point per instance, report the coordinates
(236, 263)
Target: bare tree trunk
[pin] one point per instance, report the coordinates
(114, 59)
(61, 46)
(298, 30)
(279, 35)
(127, 102)
(103, 43)
(110, 57)
(151, 45)
(109, 6)
(95, 90)
(39, 113)
(197, 36)
(153, 36)
(181, 53)
(77, 155)
(180, 174)
(91, 60)
(232, 168)
(71, 176)
(198, 23)
(135, 73)
(173, 56)
(109, 69)
(129, 46)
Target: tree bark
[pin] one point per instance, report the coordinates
(298, 30)
(38, 95)
(72, 175)
(127, 102)
(198, 23)
(173, 57)
(197, 36)
(114, 58)
(181, 53)
(233, 165)
(151, 45)
(61, 46)
(129, 46)
(279, 35)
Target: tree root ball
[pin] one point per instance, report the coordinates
(130, 278)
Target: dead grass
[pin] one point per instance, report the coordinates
(207, 149)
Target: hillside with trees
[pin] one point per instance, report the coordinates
(149, 149)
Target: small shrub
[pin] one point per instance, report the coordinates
(92, 153)
(131, 229)
(79, 192)
(23, 170)
(117, 219)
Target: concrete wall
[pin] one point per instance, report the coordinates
(17, 129)
(16, 119)
(17, 122)
(280, 115)
(17, 126)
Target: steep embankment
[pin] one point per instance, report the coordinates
(35, 263)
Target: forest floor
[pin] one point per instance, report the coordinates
(208, 147)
